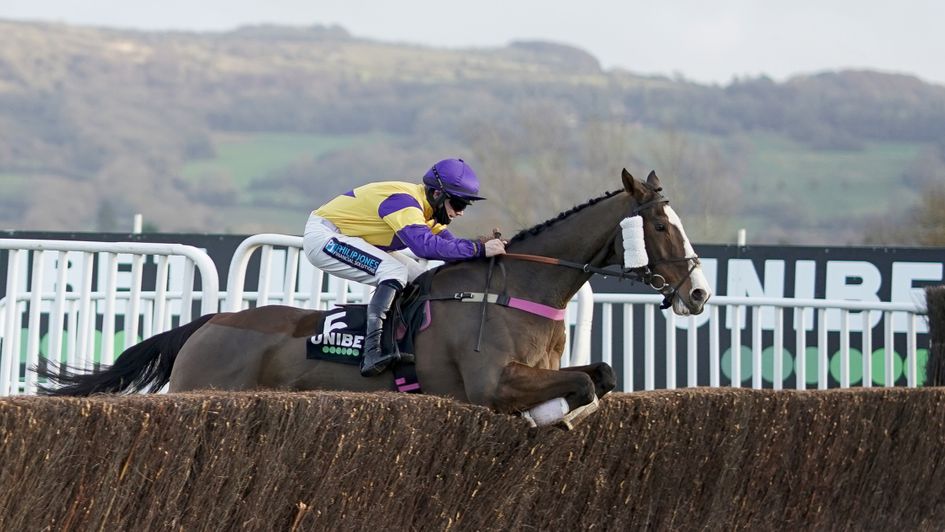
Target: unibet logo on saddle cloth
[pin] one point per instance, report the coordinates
(342, 336)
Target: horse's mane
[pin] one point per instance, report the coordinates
(524, 233)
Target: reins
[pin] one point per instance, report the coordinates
(644, 275)
(482, 317)
(586, 268)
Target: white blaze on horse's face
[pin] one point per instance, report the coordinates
(693, 301)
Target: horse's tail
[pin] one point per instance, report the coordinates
(146, 364)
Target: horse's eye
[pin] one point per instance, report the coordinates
(660, 226)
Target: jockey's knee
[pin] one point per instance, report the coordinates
(396, 284)
(414, 268)
(393, 273)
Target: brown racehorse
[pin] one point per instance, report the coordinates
(517, 366)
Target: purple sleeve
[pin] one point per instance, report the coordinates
(396, 202)
(446, 234)
(427, 245)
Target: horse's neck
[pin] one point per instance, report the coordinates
(549, 285)
(578, 238)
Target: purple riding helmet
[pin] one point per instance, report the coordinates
(454, 177)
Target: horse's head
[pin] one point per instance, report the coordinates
(669, 264)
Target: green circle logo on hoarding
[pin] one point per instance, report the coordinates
(811, 355)
(767, 364)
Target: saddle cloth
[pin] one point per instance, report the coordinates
(341, 330)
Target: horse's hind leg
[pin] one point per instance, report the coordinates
(522, 387)
(601, 374)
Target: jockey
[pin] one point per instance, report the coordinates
(357, 234)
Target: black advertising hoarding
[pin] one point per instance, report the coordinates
(836, 273)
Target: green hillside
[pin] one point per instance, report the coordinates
(247, 130)
(829, 193)
(822, 191)
(245, 158)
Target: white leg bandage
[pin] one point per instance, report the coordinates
(546, 413)
(556, 411)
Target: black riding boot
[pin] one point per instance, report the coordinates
(375, 360)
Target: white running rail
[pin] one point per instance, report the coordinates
(767, 364)
(72, 286)
(73, 312)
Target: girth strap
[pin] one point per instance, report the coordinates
(524, 305)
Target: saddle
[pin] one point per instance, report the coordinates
(339, 333)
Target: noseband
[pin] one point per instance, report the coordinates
(645, 275)
(658, 282)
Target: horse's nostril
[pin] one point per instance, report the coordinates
(697, 295)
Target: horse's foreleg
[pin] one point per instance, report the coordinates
(522, 387)
(601, 374)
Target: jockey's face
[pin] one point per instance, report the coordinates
(451, 211)
(454, 206)
(458, 204)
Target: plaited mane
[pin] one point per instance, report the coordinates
(525, 233)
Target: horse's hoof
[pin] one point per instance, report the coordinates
(605, 381)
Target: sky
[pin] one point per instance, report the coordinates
(707, 41)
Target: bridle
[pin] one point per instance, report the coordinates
(645, 274)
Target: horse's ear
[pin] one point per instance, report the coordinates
(653, 181)
(629, 183)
